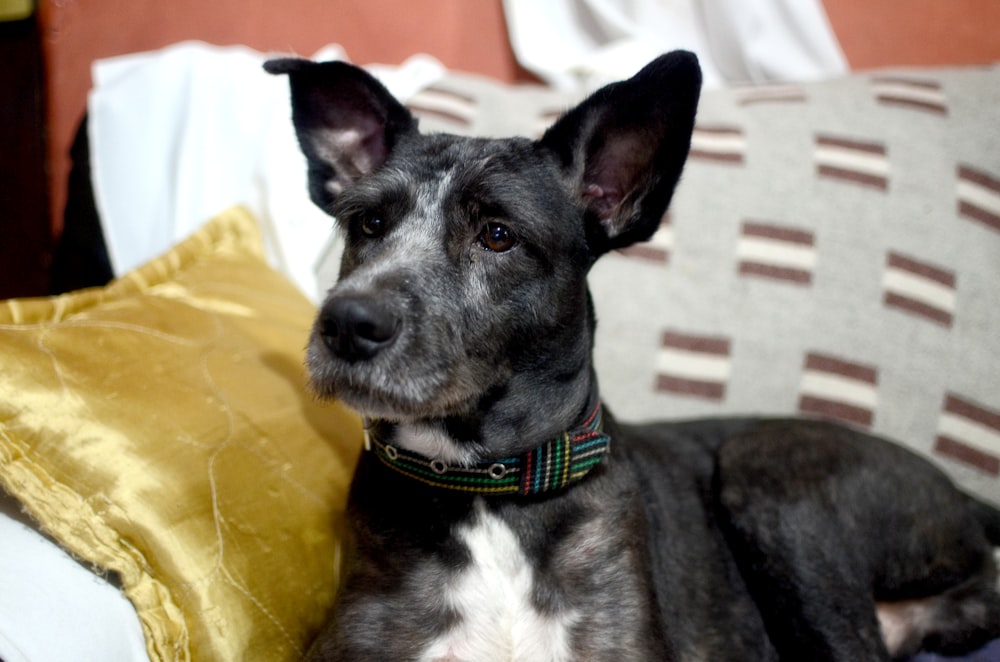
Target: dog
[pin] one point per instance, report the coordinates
(499, 511)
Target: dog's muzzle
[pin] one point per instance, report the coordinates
(357, 328)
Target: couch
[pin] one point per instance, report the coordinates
(833, 251)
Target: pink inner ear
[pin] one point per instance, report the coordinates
(358, 144)
(612, 171)
(603, 201)
(372, 150)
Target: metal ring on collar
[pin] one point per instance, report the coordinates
(497, 470)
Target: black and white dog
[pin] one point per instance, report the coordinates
(499, 512)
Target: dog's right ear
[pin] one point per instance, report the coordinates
(346, 121)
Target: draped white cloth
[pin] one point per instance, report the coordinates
(53, 609)
(589, 42)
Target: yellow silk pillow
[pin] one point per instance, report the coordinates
(160, 428)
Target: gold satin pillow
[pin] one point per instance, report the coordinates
(160, 428)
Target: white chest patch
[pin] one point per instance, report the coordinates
(493, 599)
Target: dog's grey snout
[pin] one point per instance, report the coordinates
(357, 328)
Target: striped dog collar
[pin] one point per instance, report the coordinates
(549, 467)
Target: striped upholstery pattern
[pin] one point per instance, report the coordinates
(835, 253)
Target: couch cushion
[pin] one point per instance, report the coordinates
(833, 251)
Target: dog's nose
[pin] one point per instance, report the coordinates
(357, 328)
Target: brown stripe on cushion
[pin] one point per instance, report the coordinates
(769, 231)
(657, 248)
(796, 276)
(913, 82)
(956, 450)
(770, 94)
(853, 176)
(646, 252)
(837, 411)
(893, 300)
(695, 343)
(833, 365)
(851, 144)
(694, 387)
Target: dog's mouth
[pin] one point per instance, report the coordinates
(399, 401)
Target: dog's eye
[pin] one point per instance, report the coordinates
(496, 238)
(372, 226)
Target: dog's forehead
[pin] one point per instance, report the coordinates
(467, 161)
(512, 174)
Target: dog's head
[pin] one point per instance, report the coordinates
(463, 284)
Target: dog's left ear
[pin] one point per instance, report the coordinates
(623, 148)
(346, 121)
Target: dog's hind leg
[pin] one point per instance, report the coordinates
(809, 583)
(824, 522)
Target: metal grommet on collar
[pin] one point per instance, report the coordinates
(366, 429)
(391, 452)
(439, 466)
(497, 470)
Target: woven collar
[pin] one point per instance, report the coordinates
(549, 467)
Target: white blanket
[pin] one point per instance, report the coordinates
(52, 609)
(180, 134)
(590, 42)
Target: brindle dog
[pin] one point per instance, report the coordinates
(500, 513)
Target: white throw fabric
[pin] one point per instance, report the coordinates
(52, 609)
(571, 43)
(180, 134)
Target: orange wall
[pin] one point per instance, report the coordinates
(467, 35)
(877, 33)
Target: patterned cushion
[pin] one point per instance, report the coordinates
(833, 251)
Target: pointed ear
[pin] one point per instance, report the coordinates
(624, 147)
(346, 121)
